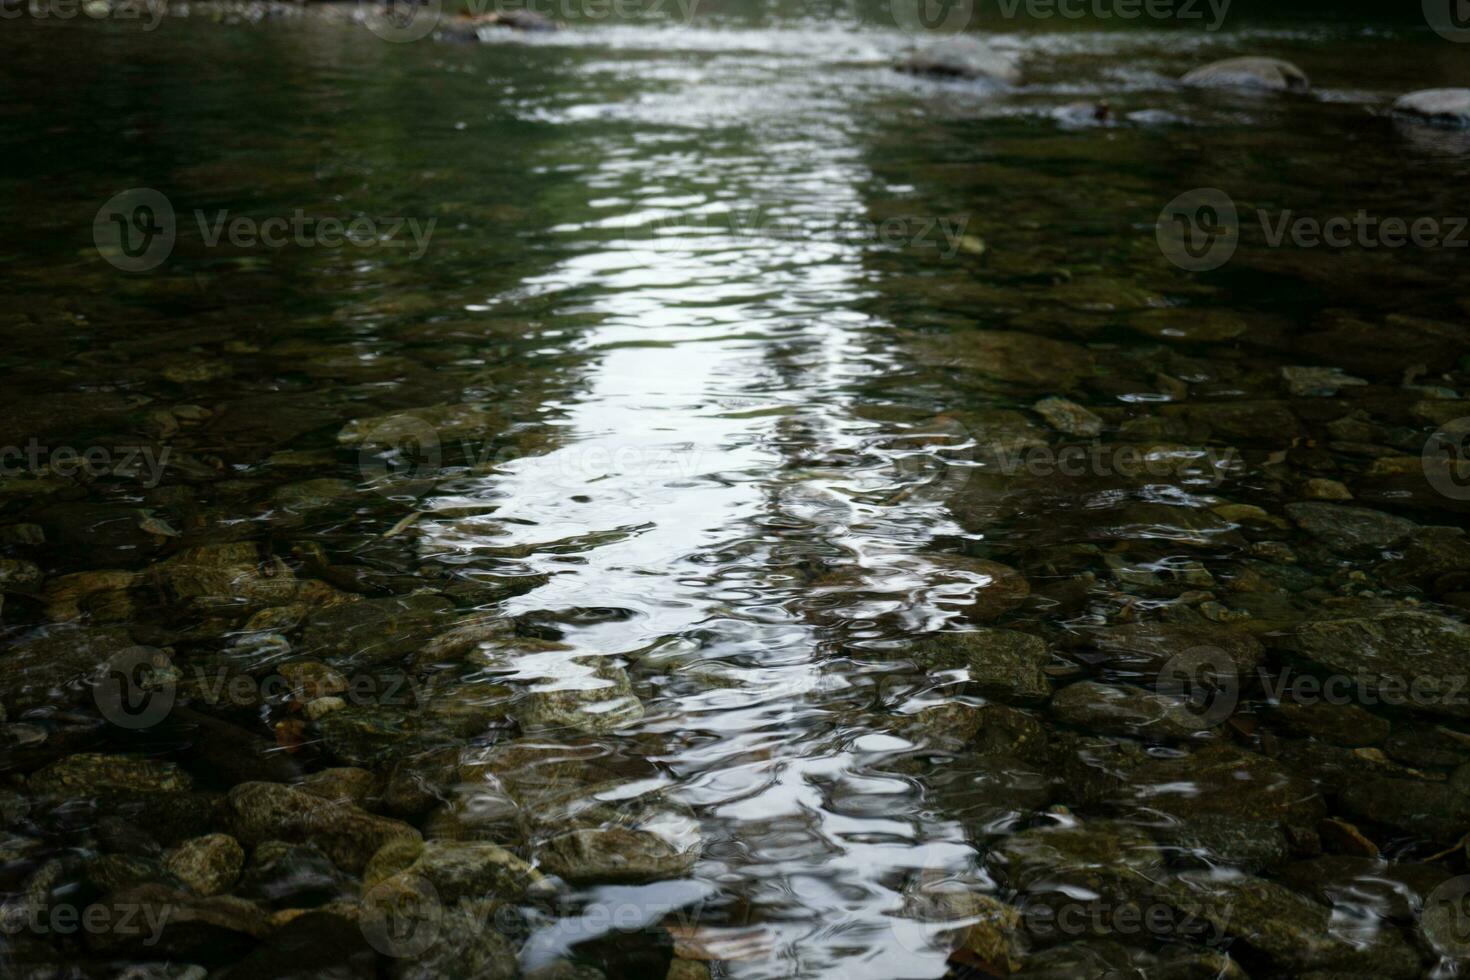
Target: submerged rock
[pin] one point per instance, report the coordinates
(1350, 530)
(456, 869)
(1049, 865)
(284, 875)
(208, 865)
(1291, 932)
(1068, 417)
(155, 920)
(1124, 710)
(1007, 663)
(1011, 357)
(601, 701)
(224, 575)
(375, 631)
(961, 56)
(615, 854)
(100, 776)
(1250, 72)
(1403, 658)
(1149, 647)
(57, 665)
(1439, 106)
(262, 812)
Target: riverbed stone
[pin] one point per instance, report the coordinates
(1011, 357)
(109, 777)
(1415, 660)
(1350, 530)
(1347, 725)
(225, 575)
(614, 854)
(374, 631)
(1005, 663)
(156, 920)
(1289, 931)
(1272, 74)
(284, 875)
(1046, 865)
(1068, 417)
(56, 665)
(601, 702)
(444, 423)
(1439, 811)
(1448, 107)
(1120, 709)
(208, 864)
(456, 869)
(260, 812)
(1151, 646)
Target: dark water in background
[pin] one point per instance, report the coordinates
(723, 444)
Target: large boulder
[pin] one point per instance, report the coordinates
(1250, 72)
(1439, 106)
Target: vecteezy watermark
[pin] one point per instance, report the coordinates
(1118, 459)
(1201, 229)
(34, 459)
(1446, 459)
(1444, 920)
(1060, 916)
(152, 11)
(137, 688)
(650, 227)
(1450, 19)
(137, 230)
(1208, 680)
(143, 922)
(929, 17)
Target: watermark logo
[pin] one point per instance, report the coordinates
(1205, 678)
(1446, 460)
(1199, 230)
(400, 21)
(154, 10)
(1450, 19)
(1445, 919)
(135, 229)
(137, 689)
(926, 17)
(398, 449)
(402, 917)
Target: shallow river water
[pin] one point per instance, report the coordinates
(823, 519)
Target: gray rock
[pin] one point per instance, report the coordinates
(1005, 663)
(1317, 382)
(1436, 810)
(600, 701)
(1440, 106)
(1419, 661)
(1123, 710)
(1223, 781)
(208, 865)
(375, 631)
(56, 665)
(612, 854)
(1350, 530)
(1049, 865)
(1149, 647)
(261, 812)
(1341, 724)
(1068, 417)
(456, 869)
(1291, 932)
(1250, 72)
(962, 56)
(155, 920)
(283, 875)
(1011, 357)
